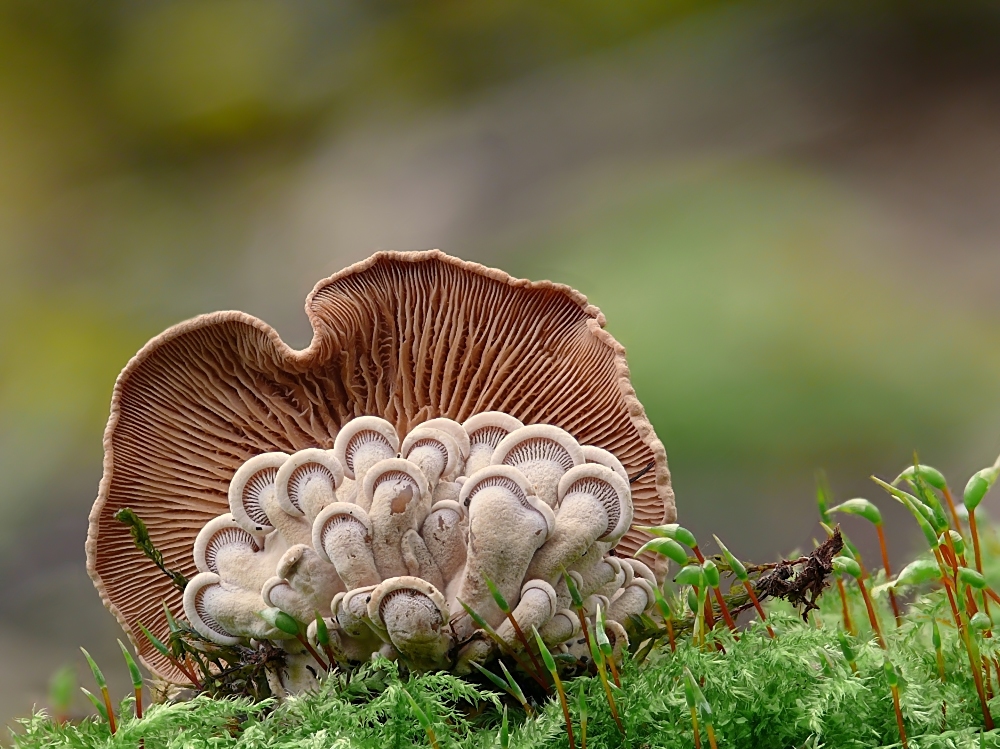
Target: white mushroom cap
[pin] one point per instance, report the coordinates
(639, 569)
(413, 614)
(308, 481)
(404, 583)
(351, 610)
(599, 455)
(225, 615)
(396, 470)
(364, 441)
(246, 490)
(609, 489)
(342, 535)
(198, 608)
(433, 450)
(541, 452)
(631, 600)
(455, 430)
(513, 481)
(218, 535)
(486, 430)
(536, 607)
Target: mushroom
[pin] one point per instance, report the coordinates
(251, 488)
(405, 337)
(594, 505)
(226, 548)
(457, 432)
(434, 451)
(486, 430)
(400, 500)
(225, 614)
(342, 535)
(414, 615)
(308, 481)
(444, 532)
(536, 607)
(362, 443)
(303, 585)
(564, 625)
(507, 524)
(222, 601)
(541, 452)
(634, 598)
(595, 454)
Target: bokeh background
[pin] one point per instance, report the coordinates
(789, 212)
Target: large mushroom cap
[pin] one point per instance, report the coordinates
(408, 337)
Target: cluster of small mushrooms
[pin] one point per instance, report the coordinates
(448, 425)
(385, 539)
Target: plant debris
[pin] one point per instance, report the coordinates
(803, 587)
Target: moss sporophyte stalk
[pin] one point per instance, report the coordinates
(448, 523)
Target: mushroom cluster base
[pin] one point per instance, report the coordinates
(391, 543)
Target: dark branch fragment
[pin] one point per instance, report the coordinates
(803, 587)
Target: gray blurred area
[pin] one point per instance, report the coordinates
(789, 215)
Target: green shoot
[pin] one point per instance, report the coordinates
(98, 705)
(61, 689)
(737, 567)
(847, 650)
(550, 664)
(103, 685)
(502, 644)
(504, 731)
(423, 720)
(501, 602)
(892, 677)
(845, 565)
(136, 675)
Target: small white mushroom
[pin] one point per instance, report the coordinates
(360, 444)
(225, 614)
(457, 432)
(251, 486)
(623, 575)
(414, 615)
(351, 610)
(400, 501)
(226, 548)
(303, 585)
(632, 599)
(342, 535)
(594, 505)
(599, 455)
(561, 627)
(486, 430)
(596, 568)
(308, 481)
(507, 524)
(639, 569)
(434, 451)
(536, 607)
(444, 531)
(543, 453)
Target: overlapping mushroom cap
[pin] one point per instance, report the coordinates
(407, 337)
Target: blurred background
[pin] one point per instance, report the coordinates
(789, 212)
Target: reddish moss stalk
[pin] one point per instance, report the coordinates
(888, 572)
(899, 716)
(848, 622)
(756, 605)
(871, 613)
